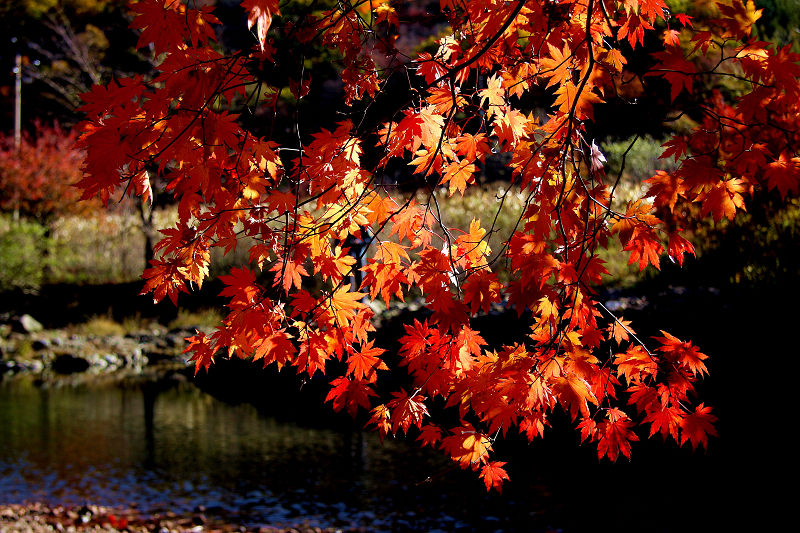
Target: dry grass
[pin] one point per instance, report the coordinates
(203, 318)
(108, 247)
(102, 326)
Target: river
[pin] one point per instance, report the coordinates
(180, 449)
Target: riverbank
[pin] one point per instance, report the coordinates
(98, 351)
(40, 518)
(732, 326)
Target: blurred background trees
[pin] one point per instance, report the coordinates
(66, 46)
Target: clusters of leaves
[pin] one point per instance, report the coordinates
(305, 202)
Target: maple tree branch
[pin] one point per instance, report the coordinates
(485, 48)
(302, 201)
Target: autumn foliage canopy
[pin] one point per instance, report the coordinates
(515, 81)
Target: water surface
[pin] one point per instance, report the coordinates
(178, 449)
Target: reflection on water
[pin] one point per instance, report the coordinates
(179, 449)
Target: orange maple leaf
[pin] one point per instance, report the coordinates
(494, 94)
(645, 248)
(684, 353)
(351, 395)
(671, 38)
(364, 363)
(158, 21)
(493, 475)
(665, 419)
(467, 447)
(343, 305)
(407, 411)
(444, 99)
(620, 329)
(473, 147)
(635, 364)
(240, 287)
(574, 394)
(163, 279)
(430, 435)
(784, 174)
(677, 247)
(202, 350)
(674, 68)
(665, 189)
(386, 279)
(557, 66)
(288, 273)
(481, 290)
(459, 175)
(724, 198)
(276, 348)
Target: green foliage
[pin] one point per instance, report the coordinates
(222, 262)
(23, 254)
(641, 160)
(756, 249)
(136, 323)
(620, 272)
(780, 22)
(40, 8)
(109, 247)
(24, 350)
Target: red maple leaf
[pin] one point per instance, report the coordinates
(407, 411)
(615, 435)
(665, 419)
(784, 174)
(202, 350)
(351, 395)
(697, 426)
(674, 68)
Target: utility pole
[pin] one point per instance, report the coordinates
(17, 99)
(17, 112)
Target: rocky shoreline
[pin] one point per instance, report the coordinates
(40, 518)
(74, 357)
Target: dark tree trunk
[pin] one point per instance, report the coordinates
(149, 231)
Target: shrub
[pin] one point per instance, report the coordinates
(23, 254)
(37, 179)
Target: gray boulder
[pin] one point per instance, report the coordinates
(27, 324)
